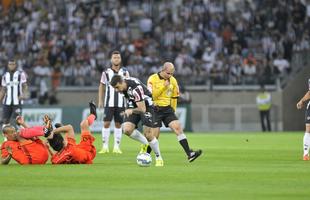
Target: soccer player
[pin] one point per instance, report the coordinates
(114, 103)
(139, 108)
(14, 90)
(306, 140)
(165, 91)
(24, 146)
(67, 151)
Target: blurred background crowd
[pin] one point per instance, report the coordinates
(68, 42)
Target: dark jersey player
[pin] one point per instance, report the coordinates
(139, 108)
(306, 139)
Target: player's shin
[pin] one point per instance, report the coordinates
(155, 146)
(32, 132)
(306, 143)
(136, 135)
(105, 137)
(117, 137)
(184, 143)
(90, 119)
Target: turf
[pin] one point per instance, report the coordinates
(233, 166)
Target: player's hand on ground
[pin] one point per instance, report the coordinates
(9, 149)
(300, 104)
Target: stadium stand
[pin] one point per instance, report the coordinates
(216, 42)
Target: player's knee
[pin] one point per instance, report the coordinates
(70, 127)
(127, 130)
(177, 128)
(149, 138)
(84, 124)
(106, 124)
(118, 125)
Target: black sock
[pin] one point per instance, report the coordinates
(185, 146)
(149, 149)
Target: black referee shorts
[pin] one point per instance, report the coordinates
(164, 114)
(147, 118)
(113, 112)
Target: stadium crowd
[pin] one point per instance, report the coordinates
(65, 42)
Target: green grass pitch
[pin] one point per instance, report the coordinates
(243, 166)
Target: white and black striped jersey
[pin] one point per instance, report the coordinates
(113, 98)
(13, 82)
(137, 91)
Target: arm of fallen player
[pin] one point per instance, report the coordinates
(6, 160)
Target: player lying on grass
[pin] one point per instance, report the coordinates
(66, 149)
(139, 108)
(24, 146)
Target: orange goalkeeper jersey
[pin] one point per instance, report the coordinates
(27, 152)
(73, 153)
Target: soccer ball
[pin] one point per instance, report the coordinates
(144, 159)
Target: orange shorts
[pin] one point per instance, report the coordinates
(86, 144)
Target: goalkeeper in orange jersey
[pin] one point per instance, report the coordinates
(67, 151)
(165, 92)
(24, 145)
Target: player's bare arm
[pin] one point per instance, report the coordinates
(25, 94)
(101, 91)
(6, 160)
(303, 100)
(49, 149)
(2, 92)
(21, 122)
(140, 109)
(174, 98)
(68, 129)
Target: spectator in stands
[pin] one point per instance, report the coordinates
(184, 96)
(281, 64)
(173, 29)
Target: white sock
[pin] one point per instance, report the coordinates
(154, 144)
(136, 135)
(306, 143)
(182, 136)
(117, 137)
(105, 137)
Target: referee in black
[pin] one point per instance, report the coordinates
(14, 90)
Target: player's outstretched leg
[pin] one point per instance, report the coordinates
(177, 128)
(93, 109)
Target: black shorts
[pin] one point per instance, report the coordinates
(10, 111)
(147, 118)
(113, 112)
(164, 114)
(307, 115)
